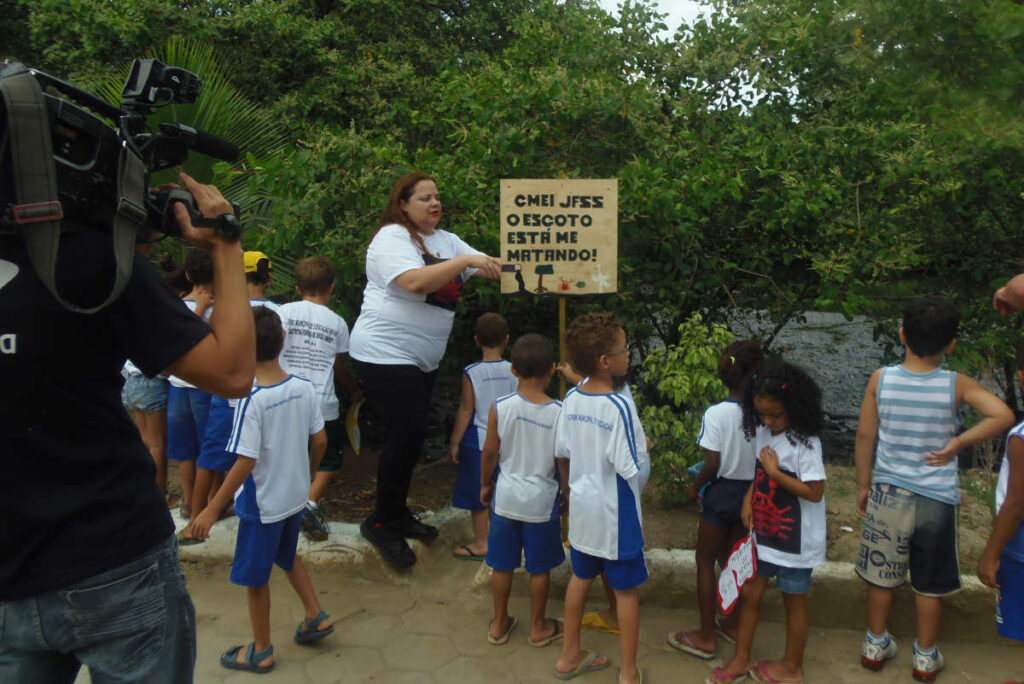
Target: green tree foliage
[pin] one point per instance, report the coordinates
(684, 380)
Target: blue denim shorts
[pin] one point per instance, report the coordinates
(145, 394)
(134, 623)
(790, 580)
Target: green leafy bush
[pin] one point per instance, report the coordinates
(683, 377)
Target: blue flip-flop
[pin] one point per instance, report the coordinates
(229, 659)
(307, 633)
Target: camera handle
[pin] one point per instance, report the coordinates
(225, 224)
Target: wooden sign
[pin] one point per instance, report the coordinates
(559, 236)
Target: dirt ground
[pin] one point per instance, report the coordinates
(350, 498)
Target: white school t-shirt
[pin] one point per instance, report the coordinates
(641, 436)
(527, 486)
(600, 435)
(721, 430)
(790, 531)
(273, 425)
(174, 380)
(314, 336)
(490, 380)
(396, 327)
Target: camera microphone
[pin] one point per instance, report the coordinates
(201, 141)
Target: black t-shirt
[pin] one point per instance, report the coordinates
(78, 492)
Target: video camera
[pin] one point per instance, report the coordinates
(88, 152)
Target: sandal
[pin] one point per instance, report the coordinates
(229, 659)
(468, 556)
(595, 623)
(555, 635)
(684, 644)
(759, 673)
(307, 633)
(722, 677)
(503, 639)
(586, 666)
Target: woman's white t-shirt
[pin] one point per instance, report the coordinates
(397, 327)
(722, 431)
(790, 531)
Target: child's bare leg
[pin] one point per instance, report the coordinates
(540, 626)
(575, 600)
(750, 614)
(153, 428)
(879, 604)
(710, 540)
(303, 586)
(628, 608)
(481, 526)
(798, 621)
(610, 615)
(929, 615)
(200, 492)
(501, 589)
(259, 617)
(321, 479)
(187, 475)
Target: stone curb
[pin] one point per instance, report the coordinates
(836, 599)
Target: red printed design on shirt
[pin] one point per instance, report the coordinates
(448, 296)
(776, 513)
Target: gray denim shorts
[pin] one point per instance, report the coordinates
(144, 394)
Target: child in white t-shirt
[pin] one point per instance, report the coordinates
(722, 484)
(279, 438)
(598, 432)
(525, 498)
(314, 348)
(482, 383)
(785, 506)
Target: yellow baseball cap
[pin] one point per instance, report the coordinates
(255, 262)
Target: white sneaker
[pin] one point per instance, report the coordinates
(926, 667)
(873, 656)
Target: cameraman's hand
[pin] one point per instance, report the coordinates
(211, 203)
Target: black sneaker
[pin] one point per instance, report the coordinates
(390, 543)
(412, 528)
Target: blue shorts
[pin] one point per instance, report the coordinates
(212, 454)
(721, 501)
(509, 540)
(187, 410)
(259, 546)
(790, 580)
(467, 480)
(622, 575)
(148, 395)
(1010, 598)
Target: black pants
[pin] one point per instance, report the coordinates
(401, 396)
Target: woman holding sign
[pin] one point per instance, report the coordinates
(414, 273)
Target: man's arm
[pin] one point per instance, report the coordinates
(223, 362)
(864, 446)
(996, 416)
(1010, 297)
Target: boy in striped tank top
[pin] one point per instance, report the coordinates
(910, 497)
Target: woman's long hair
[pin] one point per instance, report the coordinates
(393, 212)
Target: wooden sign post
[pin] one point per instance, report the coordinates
(559, 237)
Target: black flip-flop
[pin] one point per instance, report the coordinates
(469, 555)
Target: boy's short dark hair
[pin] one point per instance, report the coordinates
(491, 330)
(198, 266)
(588, 338)
(532, 356)
(930, 324)
(737, 360)
(269, 333)
(314, 275)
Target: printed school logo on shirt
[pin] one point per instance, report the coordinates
(448, 296)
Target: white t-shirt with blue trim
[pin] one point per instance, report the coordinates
(527, 483)
(721, 430)
(490, 380)
(273, 425)
(600, 434)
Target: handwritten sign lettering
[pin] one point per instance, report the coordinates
(741, 566)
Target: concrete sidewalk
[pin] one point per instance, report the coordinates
(430, 625)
